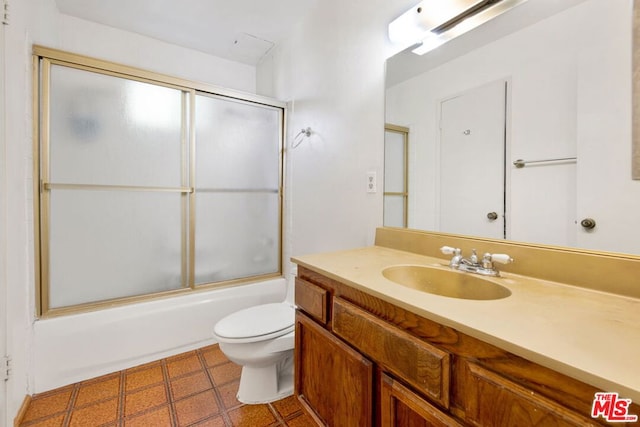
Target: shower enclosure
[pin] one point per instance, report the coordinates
(150, 185)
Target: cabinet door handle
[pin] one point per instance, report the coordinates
(492, 216)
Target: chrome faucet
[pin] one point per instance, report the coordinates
(484, 267)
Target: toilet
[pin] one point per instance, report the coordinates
(261, 340)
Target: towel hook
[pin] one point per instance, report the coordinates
(297, 140)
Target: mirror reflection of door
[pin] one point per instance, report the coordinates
(472, 162)
(396, 142)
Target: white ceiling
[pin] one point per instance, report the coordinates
(238, 30)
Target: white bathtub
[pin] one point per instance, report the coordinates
(77, 347)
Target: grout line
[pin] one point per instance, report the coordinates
(223, 409)
(276, 414)
(167, 389)
(121, 401)
(70, 405)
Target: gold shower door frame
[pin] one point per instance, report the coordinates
(43, 59)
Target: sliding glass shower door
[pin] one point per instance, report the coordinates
(113, 186)
(150, 186)
(237, 189)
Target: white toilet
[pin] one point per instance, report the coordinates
(261, 340)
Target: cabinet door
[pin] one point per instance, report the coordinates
(333, 382)
(400, 407)
(496, 401)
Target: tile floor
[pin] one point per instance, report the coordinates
(197, 388)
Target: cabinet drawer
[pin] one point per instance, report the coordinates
(495, 401)
(312, 299)
(420, 364)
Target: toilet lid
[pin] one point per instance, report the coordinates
(260, 320)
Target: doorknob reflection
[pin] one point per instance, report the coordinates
(588, 223)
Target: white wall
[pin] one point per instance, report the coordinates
(19, 237)
(38, 21)
(332, 72)
(99, 41)
(569, 96)
(3, 229)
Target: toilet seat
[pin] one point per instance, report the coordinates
(257, 323)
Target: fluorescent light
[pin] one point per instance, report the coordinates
(407, 27)
(434, 22)
(429, 43)
(427, 16)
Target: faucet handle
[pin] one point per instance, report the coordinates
(474, 256)
(501, 258)
(448, 250)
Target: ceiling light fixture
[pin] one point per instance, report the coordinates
(434, 22)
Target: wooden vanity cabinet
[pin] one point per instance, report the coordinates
(333, 382)
(361, 361)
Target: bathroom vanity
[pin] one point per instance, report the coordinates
(372, 352)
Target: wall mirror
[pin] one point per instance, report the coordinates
(552, 82)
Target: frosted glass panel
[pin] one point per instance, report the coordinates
(237, 144)
(113, 131)
(237, 235)
(394, 159)
(394, 211)
(107, 245)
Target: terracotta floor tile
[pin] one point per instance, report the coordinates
(145, 366)
(181, 356)
(99, 390)
(196, 408)
(96, 414)
(160, 417)
(228, 394)
(190, 384)
(225, 373)
(57, 421)
(212, 422)
(208, 347)
(100, 379)
(200, 390)
(48, 404)
(143, 377)
(251, 416)
(145, 399)
(185, 365)
(287, 406)
(301, 421)
(214, 356)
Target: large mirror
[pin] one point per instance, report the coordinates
(522, 128)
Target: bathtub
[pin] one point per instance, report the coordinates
(77, 347)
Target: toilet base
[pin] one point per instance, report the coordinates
(266, 384)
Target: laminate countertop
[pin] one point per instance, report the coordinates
(589, 335)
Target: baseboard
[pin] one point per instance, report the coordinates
(23, 411)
